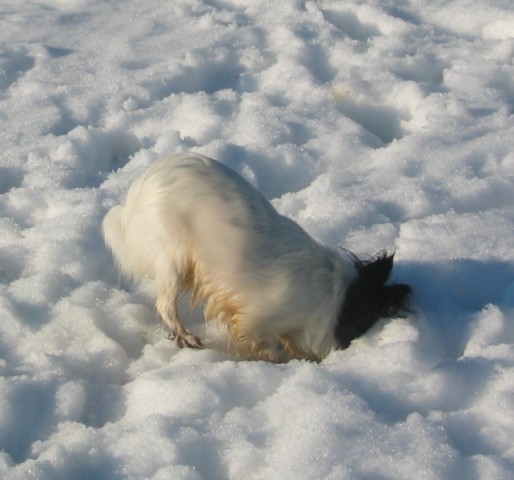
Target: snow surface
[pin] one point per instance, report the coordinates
(374, 124)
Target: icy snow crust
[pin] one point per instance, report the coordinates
(371, 123)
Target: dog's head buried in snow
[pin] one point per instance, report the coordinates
(193, 225)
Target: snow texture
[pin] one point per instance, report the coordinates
(374, 124)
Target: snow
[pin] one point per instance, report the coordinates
(374, 124)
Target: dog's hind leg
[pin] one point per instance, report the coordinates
(167, 308)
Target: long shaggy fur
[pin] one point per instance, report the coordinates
(193, 225)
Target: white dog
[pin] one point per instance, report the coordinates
(192, 224)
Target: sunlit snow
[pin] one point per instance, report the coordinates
(374, 124)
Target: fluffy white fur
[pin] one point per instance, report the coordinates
(191, 224)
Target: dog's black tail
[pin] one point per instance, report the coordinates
(368, 298)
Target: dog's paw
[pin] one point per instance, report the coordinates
(270, 349)
(187, 340)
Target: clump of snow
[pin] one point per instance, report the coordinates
(373, 124)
